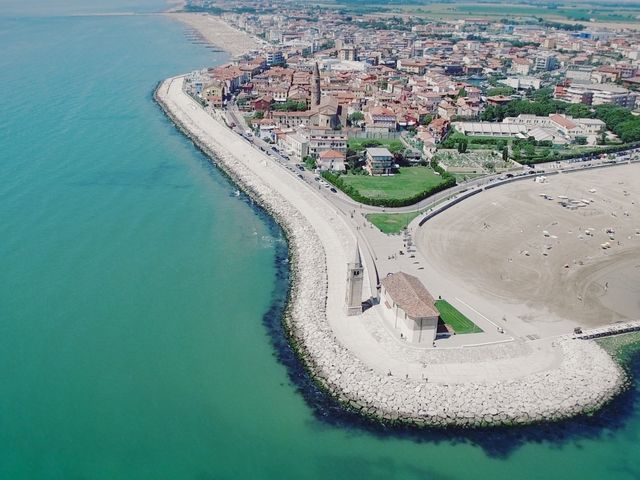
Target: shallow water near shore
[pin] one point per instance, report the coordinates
(140, 298)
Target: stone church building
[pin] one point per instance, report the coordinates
(409, 308)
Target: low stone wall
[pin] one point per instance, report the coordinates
(586, 379)
(609, 330)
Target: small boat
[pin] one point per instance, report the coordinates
(237, 193)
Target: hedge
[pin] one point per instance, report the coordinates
(336, 180)
(584, 155)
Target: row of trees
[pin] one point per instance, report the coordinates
(289, 106)
(619, 120)
(548, 155)
(497, 113)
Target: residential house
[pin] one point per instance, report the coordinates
(380, 120)
(331, 160)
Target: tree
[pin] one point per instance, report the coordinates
(505, 154)
(579, 110)
(370, 143)
(426, 119)
(290, 106)
(489, 166)
(620, 121)
(353, 158)
(395, 146)
(493, 113)
(355, 117)
(581, 140)
(603, 137)
(542, 94)
(516, 152)
(309, 162)
(529, 150)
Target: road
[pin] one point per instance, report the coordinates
(388, 253)
(346, 204)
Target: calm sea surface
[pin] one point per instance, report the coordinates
(139, 298)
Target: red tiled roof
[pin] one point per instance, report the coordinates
(563, 121)
(329, 154)
(410, 294)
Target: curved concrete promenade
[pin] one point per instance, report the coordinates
(339, 351)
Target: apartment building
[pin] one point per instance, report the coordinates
(597, 94)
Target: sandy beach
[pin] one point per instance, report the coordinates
(217, 32)
(543, 263)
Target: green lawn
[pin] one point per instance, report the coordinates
(409, 181)
(391, 222)
(456, 320)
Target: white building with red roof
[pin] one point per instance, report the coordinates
(331, 160)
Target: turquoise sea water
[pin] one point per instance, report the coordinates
(139, 297)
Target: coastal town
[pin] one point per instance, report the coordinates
(337, 240)
(496, 91)
(443, 258)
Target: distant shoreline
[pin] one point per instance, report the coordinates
(216, 32)
(175, 5)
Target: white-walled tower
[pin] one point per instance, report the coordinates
(355, 277)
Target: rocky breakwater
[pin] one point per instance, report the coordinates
(586, 378)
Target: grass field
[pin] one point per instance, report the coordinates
(408, 182)
(456, 320)
(391, 222)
